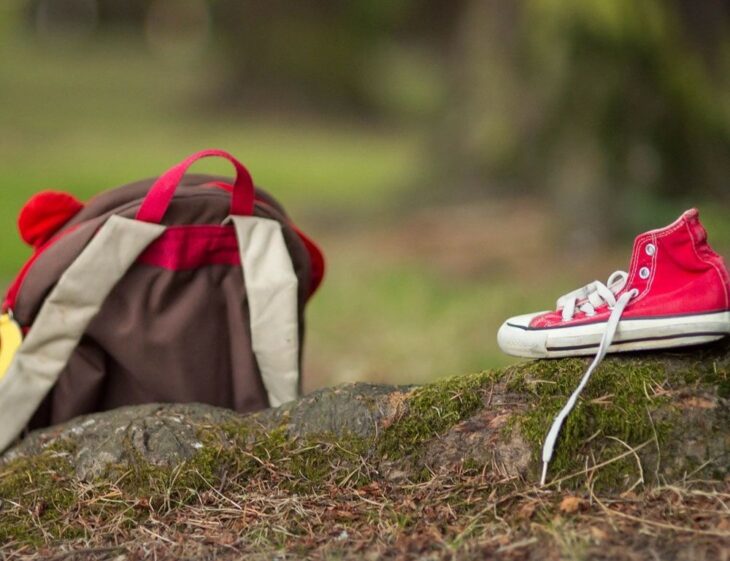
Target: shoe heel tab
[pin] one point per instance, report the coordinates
(702, 245)
(691, 214)
(697, 230)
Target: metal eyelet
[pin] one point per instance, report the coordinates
(650, 249)
(644, 273)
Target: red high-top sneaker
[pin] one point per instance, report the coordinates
(676, 293)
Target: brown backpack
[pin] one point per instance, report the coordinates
(187, 288)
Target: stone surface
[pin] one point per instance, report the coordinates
(482, 439)
(362, 410)
(160, 434)
(167, 434)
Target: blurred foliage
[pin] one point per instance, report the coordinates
(612, 110)
(309, 52)
(355, 58)
(615, 112)
(604, 106)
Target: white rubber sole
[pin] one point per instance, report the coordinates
(517, 339)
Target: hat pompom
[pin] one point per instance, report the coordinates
(45, 214)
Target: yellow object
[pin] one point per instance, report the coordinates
(11, 337)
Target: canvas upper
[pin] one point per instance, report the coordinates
(674, 271)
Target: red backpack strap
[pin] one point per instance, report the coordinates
(160, 195)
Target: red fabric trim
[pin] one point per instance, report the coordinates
(182, 248)
(315, 253)
(220, 185)
(12, 294)
(318, 262)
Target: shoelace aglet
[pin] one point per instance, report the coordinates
(544, 474)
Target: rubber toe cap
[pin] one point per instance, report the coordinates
(515, 339)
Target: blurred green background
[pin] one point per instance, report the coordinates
(459, 161)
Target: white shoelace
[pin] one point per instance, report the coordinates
(587, 299)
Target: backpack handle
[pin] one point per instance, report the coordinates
(160, 195)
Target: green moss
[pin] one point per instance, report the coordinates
(300, 464)
(433, 409)
(304, 464)
(617, 403)
(471, 465)
(708, 370)
(45, 486)
(39, 485)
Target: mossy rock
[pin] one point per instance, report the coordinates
(644, 419)
(674, 405)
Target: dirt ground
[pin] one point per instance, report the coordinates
(466, 515)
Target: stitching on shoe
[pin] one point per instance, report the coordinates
(597, 322)
(650, 280)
